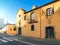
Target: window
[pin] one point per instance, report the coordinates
(25, 17)
(49, 11)
(19, 23)
(19, 15)
(32, 27)
(14, 28)
(32, 16)
(10, 29)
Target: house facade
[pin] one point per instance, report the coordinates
(40, 22)
(11, 29)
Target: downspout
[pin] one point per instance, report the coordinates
(40, 23)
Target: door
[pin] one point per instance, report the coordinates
(49, 32)
(19, 31)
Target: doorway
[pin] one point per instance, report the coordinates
(50, 32)
(19, 31)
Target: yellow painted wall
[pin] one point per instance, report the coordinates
(20, 19)
(39, 32)
(54, 20)
(10, 29)
(26, 31)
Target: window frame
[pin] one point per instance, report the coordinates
(10, 29)
(49, 11)
(32, 27)
(32, 16)
(14, 28)
(19, 23)
(25, 17)
(19, 15)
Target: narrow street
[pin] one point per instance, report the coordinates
(7, 41)
(19, 40)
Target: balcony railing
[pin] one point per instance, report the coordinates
(32, 21)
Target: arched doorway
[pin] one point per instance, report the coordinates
(49, 32)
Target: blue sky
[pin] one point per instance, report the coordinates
(9, 8)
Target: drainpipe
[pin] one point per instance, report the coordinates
(40, 24)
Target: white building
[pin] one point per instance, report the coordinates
(1, 22)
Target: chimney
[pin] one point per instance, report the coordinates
(34, 7)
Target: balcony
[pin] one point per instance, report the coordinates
(32, 21)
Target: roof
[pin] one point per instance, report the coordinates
(10, 24)
(42, 6)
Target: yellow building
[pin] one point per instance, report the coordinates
(11, 30)
(40, 22)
